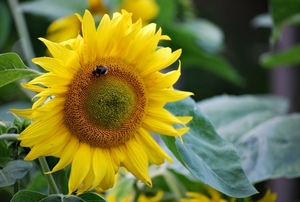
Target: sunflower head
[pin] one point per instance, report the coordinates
(101, 96)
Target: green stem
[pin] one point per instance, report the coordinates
(9, 136)
(49, 177)
(23, 32)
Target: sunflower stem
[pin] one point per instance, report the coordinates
(48, 177)
(7, 136)
(20, 22)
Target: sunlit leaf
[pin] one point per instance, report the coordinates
(233, 116)
(12, 69)
(12, 171)
(272, 150)
(287, 57)
(206, 155)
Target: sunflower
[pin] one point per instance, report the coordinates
(68, 27)
(102, 95)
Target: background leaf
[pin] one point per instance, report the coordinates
(233, 116)
(12, 69)
(207, 35)
(13, 171)
(28, 196)
(194, 56)
(206, 155)
(272, 150)
(123, 188)
(5, 23)
(55, 8)
(287, 57)
(284, 12)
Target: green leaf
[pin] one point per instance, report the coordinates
(13, 171)
(38, 183)
(91, 197)
(207, 35)
(272, 150)
(5, 23)
(4, 154)
(55, 8)
(12, 69)
(284, 12)
(233, 116)
(32, 196)
(194, 56)
(206, 155)
(287, 57)
(123, 188)
(28, 196)
(72, 198)
(168, 14)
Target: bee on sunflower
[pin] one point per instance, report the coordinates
(102, 95)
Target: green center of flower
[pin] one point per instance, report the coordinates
(111, 102)
(105, 109)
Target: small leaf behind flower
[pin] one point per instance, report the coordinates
(13, 171)
(206, 155)
(12, 69)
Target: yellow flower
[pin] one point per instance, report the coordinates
(268, 197)
(68, 27)
(101, 95)
(142, 198)
(215, 196)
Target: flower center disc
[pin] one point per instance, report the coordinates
(105, 110)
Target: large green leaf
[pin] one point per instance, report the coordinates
(12, 171)
(283, 12)
(55, 8)
(206, 155)
(233, 116)
(287, 57)
(266, 139)
(272, 150)
(12, 69)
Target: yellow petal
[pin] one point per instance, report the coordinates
(155, 153)
(137, 162)
(80, 166)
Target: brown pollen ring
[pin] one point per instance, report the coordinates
(105, 111)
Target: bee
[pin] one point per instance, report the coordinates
(100, 70)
